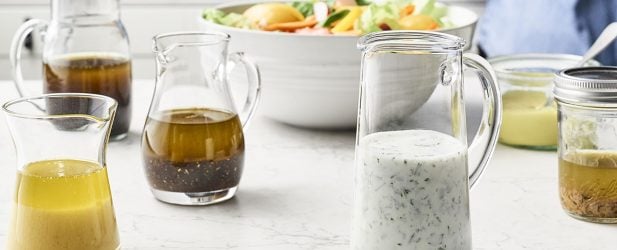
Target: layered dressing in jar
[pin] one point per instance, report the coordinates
(587, 109)
(588, 185)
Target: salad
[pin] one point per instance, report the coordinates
(337, 17)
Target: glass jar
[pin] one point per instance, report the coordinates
(529, 112)
(587, 108)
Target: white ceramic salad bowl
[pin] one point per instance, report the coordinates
(312, 80)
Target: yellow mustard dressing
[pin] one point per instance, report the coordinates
(63, 204)
(529, 119)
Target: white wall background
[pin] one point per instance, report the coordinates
(142, 18)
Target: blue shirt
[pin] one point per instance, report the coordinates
(546, 26)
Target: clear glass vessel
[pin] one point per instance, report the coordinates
(529, 111)
(85, 50)
(62, 198)
(193, 140)
(587, 110)
(411, 179)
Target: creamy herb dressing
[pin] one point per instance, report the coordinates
(411, 192)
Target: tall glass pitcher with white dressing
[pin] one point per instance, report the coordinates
(411, 178)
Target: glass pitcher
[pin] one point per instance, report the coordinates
(86, 50)
(411, 177)
(192, 143)
(62, 197)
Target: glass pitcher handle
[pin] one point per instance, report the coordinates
(15, 54)
(483, 145)
(254, 85)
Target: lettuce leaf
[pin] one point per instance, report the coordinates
(438, 11)
(377, 14)
(424, 7)
(333, 18)
(380, 12)
(305, 7)
(231, 19)
(212, 15)
(363, 2)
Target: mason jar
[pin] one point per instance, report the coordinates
(529, 112)
(587, 117)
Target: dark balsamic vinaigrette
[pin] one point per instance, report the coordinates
(104, 74)
(193, 150)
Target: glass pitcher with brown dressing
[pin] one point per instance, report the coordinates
(85, 50)
(193, 143)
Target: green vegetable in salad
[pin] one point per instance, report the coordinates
(388, 12)
(334, 17)
(322, 15)
(363, 2)
(433, 9)
(376, 15)
(213, 15)
(424, 6)
(305, 7)
(231, 19)
(330, 2)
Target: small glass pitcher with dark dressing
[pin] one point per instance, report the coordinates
(193, 143)
(85, 50)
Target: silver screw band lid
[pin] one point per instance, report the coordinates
(587, 86)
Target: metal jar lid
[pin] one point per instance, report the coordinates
(587, 86)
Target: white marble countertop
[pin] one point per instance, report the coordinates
(296, 192)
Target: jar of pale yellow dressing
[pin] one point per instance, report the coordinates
(529, 111)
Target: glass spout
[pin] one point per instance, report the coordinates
(165, 44)
(194, 66)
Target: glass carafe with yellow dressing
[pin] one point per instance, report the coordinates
(62, 196)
